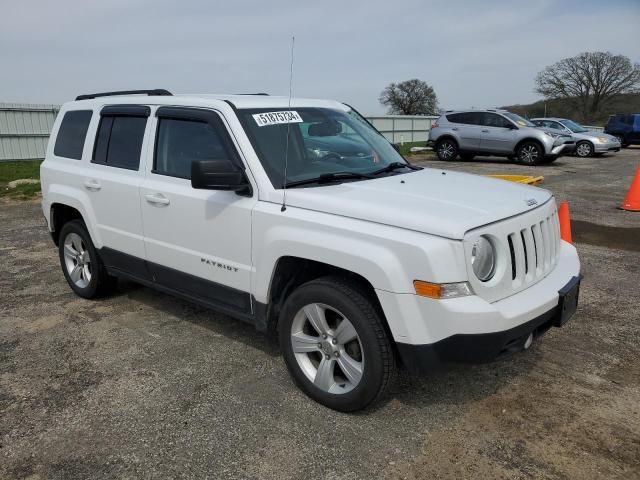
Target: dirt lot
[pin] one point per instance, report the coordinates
(141, 385)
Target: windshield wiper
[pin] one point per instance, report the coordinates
(328, 177)
(395, 166)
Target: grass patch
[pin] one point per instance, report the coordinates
(406, 148)
(10, 171)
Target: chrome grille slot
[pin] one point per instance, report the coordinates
(513, 257)
(535, 245)
(524, 245)
(544, 228)
(530, 253)
(519, 254)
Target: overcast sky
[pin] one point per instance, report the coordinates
(474, 53)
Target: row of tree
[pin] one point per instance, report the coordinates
(588, 82)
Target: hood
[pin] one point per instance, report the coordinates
(437, 202)
(592, 134)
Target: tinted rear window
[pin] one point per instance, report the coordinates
(72, 134)
(468, 118)
(119, 141)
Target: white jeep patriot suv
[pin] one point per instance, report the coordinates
(299, 217)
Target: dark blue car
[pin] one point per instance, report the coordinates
(625, 126)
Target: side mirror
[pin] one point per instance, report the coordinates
(218, 175)
(511, 126)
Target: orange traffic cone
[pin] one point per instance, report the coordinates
(632, 201)
(565, 222)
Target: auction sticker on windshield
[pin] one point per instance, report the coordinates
(275, 118)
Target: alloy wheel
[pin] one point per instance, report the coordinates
(583, 150)
(529, 154)
(446, 150)
(327, 348)
(77, 260)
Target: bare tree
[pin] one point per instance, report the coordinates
(411, 97)
(589, 80)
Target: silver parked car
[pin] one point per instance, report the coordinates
(588, 142)
(495, 132)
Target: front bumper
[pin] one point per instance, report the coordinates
(482, 347)
(606, 147)
(420, 324)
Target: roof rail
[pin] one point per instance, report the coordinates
(161, 92)
(261, 93)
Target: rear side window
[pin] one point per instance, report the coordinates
(119, 140)
(456, 118)
(181, 142)
(72, 134)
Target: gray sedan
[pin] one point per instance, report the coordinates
(588, 142)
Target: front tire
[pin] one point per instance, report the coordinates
(447, 149)
(334, 344)
(80, 262)
(530, 153)
(623, 144)
(584, 149)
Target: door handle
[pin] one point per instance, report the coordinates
(92, 185)
(485, 131)
(455, 128)
(157, 199)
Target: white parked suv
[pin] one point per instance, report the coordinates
(363, 262)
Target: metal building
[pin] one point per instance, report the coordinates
(24, 130)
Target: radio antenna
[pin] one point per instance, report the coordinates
(286, 150)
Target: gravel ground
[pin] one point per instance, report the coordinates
(141, 385)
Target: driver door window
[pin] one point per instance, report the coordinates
(181, 142)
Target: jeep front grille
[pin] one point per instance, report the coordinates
(534, 250)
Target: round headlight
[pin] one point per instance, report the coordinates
(483, 259)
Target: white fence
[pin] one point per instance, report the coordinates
(24, 130)
(404, 128)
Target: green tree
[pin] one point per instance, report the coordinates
(411, 97)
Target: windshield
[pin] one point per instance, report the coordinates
(522, 122)
(573, 126)
(321, 141)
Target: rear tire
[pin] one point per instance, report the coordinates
(530, 153)
(80, 262)
(584, 149)
(344, 366)
(447, 149)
